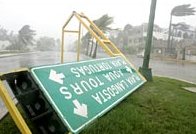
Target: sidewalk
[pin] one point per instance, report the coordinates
(174, 60)
(3, 109)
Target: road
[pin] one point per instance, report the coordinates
(9, 63)
(176, 69)
(169, 68)
(34, 59)
(179, 70)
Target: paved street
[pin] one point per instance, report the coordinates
(8, 63)
(180, 70)
(169, 68)
(34, 59)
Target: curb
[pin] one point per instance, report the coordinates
(175, 60)
(5, 111)
(190, 82)
(16, 54)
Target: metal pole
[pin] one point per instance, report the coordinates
(145, 70)
(169, 36)
(78, 49)
(62, 46)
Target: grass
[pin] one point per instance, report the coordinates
(7, 126)
(159, 107)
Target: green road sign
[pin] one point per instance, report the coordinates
(82, 91)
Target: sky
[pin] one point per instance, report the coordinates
(48, 16)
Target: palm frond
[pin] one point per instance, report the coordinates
(183, 10)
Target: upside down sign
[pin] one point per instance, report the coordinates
(82, 91)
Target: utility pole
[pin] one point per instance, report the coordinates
(169, 36)
(145, 70)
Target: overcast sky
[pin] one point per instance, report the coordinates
(48, 16)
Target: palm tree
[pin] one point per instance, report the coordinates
(26, 35)
(125, 33)
(3, 34)
(103, 24)
(85, 40)
(179, 11)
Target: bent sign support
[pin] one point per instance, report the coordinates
(82, 91)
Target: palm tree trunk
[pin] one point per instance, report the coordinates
(92, 44)
(171, 44)
(169, 34)
(87, 49)
(95, 51)
(183, 53)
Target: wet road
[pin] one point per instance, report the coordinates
(169, 68)
(9, 63)
(180, 70)
(176, 69)
(34, 59)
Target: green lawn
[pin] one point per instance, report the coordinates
(161, 106)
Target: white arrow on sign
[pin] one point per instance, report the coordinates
(80, 109)
(56, 77)
(128, 69)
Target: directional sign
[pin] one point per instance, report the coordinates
(82, 91)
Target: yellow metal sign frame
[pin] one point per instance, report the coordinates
(107, 45)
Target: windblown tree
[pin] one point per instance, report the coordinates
(46, 43)
(126, 31)
(3, 34)
(86, 40)
(179, 11)
(26, 36)
(103, 24)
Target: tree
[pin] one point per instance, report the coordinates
(103, 24)
(86, 40)
(58, 44)
(46, 43)
(26, 36)
(126, 31)
(8, 36)
(3, 34)
(179, 11)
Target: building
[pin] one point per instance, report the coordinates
(132, 39)
(182, 31)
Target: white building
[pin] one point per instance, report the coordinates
(182, 31)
